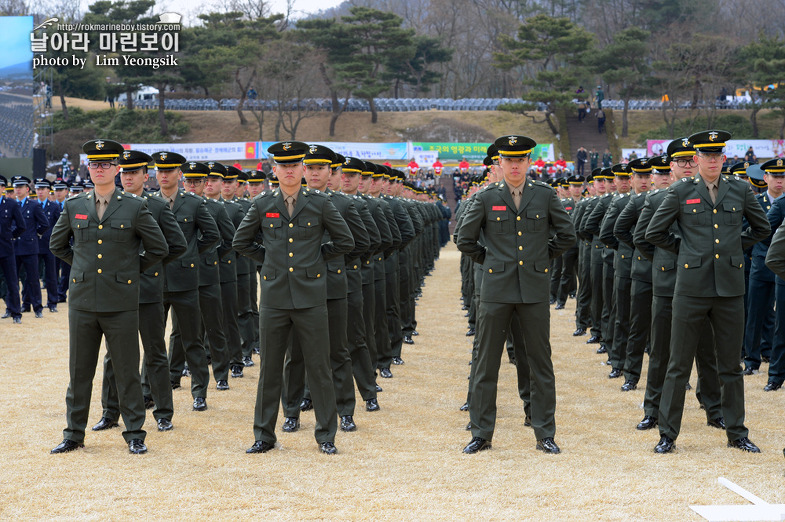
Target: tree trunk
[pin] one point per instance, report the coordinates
(278, 127)
(62, 103)
(754, 120)
(624, 126)
(243, 94)
(337, 111)
(782, 128)
(129, 98)
(550, 123)
(161, 108)
(374, 114)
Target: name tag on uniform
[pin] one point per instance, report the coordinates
(81, 216)
(693, 201)
(499, 207)
(272, 215)
(567, 208)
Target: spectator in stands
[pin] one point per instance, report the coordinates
(539, 164)
(750, 156)
(607, 159)
(561, 163)
(600, 121)
(463, 166)
(580, 161)
(594, 159)
(437, 167)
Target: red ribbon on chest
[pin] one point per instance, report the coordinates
(693, 201)
(272, 215)
(499, 207)
(81, 216)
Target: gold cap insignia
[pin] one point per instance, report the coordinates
(99, 144)
(312, 149)
(211, 165)
(512, 140)
(192, 164)
(746, 164)
(163, 156)
(347, 161)
(779, 162)
(685, 142)
(712, 136)
(126, 155)
(286, 146)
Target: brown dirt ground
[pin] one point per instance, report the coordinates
(404, 462)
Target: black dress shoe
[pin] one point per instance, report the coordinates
(647, 423)
(247, 361)
(594, 339)
(559, 306)
(749, 370)
(527, 421)
(467, 314)
(39, 314)
(397, 361)
(260, 446)
(465, 407)
(371, 405)
(306, 405)
(256, 350)
(6, 315)
(629, 385)
(53, 309)
(187, 372)
(477, 444)
(66, 446)
(469, 427)
(379, 389)
(105, 424)
(513, 361)
(17, 320)
(175, 384)
(386, 373)
(602, 349)
(548, 445)
(772, 386)
(149, 403)
(291, 424)
(164, 425)
(136, 446)
(718, 423)
(551, 300)
(347, 423)
(408, 339)
(471, 332)
(665, 445)
(200, 404)
(328, 448)
(744, 444)
(221, 385)
(237, 371)
(579, 332)
(615, 374)
(415, 333)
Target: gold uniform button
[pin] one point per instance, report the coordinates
(74, 280)
(520, 248)
(519, 233)
(100, 256)
(537, 216)
(546, 270)
(716, 240)
(622, 256)
(291, 240)
(100, 271)
(518, 218)
(271, 225)
(265, 278)
(663, 269)
(716, 225)
(498, 219)
(215, 262)
(100, 241)
(715, 210)
(192, 265)
(291, 269)
(129, 281)
(716, 256)
(355, 267)
(185, 220)
(520, 263)
(121, 226)
(686, 265)
(490, 270)
(230, 261)
(339, 271)
(291, 225)
(291, 254)
(318, 275)
(100, 227)
(309, 223)
(156, 274)
(639, 258)
(693, 211)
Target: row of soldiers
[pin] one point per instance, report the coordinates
(659, 262)
(338, 248)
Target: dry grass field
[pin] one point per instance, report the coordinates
(404, 462)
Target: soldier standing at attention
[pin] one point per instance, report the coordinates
(291, 222)
(709, 281)
(52, 211)
(152, 322)
(12, 225)
(26, 245)
(524, 225)
(108, 228)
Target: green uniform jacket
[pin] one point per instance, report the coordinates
(200, 232)
(105, 258)
(291, 251)
(337, 284)
(622, 261)
(153, 278)
(663, 262)
(711, 250)
(624, 229)
(518, 245)
(229, 262)
(209, 271)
